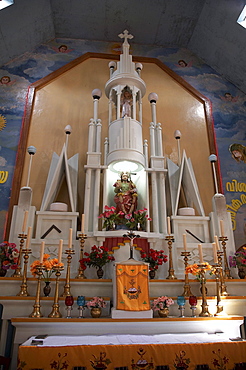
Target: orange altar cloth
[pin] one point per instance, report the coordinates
(217, 355)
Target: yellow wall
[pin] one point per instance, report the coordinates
(67, 100)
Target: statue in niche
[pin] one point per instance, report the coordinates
(126, 103)
(126, 194)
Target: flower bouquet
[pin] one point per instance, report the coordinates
(110, 217)
(239, 260)
(48, 267)
(161, 302)
(98, 257)
(137, 220)
(197, 271)
(154, 257)
(8, 256)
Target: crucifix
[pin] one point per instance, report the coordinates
(131, 235)
(125, 35)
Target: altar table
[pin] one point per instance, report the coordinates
(136, 352)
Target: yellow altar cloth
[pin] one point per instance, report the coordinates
(135, 356)
(132, 287)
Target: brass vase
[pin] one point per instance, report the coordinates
(96, 312)
(164, 312)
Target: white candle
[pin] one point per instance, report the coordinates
(217, 242)
(42, 252)
(200, 253)
(28, 238)
(215, 253)
(222, 228)
(60, 251)
(70, 238)
(24, 222)
(184, 242)
(168, 226)
(83, 224)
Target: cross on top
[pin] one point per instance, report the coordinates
(125, 35)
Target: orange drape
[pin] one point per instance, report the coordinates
(132, 287)
(133, 356)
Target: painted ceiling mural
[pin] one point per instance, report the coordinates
(228, 110)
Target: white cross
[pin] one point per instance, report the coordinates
(125, 35)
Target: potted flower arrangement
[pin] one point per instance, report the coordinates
(137, 220)
(95, 305)
(98, 257)
(110, 217)
(155, 258)
(47, 270)
(162, 304)
(8, 257)
(239, 260)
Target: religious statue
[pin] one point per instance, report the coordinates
(126, 194)
(126, 102)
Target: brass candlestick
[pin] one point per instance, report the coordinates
(204, 305)
(67, 285)
(36, 307)
(23, 291)
(55, 313)
(227, 273)
(82, 237)
(187, 290)
(17, 272)
(223, 288)
(217, 273)
(170, 240)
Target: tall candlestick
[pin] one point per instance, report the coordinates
(28, 238)
(200, 253)
(24, 222)
(60, 251)
(215, 253)
(168, 226)
(83, 224)
(217, 242)
(70, 238)
(42, 252)
(184, 242)
(222, 228)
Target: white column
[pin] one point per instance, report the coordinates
(155, 216)
(96, 199)
(134, 115)
(87, 198)
(118, 105)
(91, 136)
(159, 139)
(162, 203)
(145, 150)
(98, 135)
(153, 111)
(152, 139)
(105, 151)
(140, 107)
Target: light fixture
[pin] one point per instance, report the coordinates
(125, 166)
(5, 3)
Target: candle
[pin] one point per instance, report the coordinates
(217, 242)
(83, 224)
(60, 251)
(168, 226)
(28, 238)
(42, 252)
(184, 242)
(215, 253)
(24, 222)
(222, 228)
(70, 238)
(200, 253)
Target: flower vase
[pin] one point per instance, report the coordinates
(96, 312)
(47, 289)
(100, 272)
(3, 272)
(164, 312)
(241, 273)
(151, 274)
